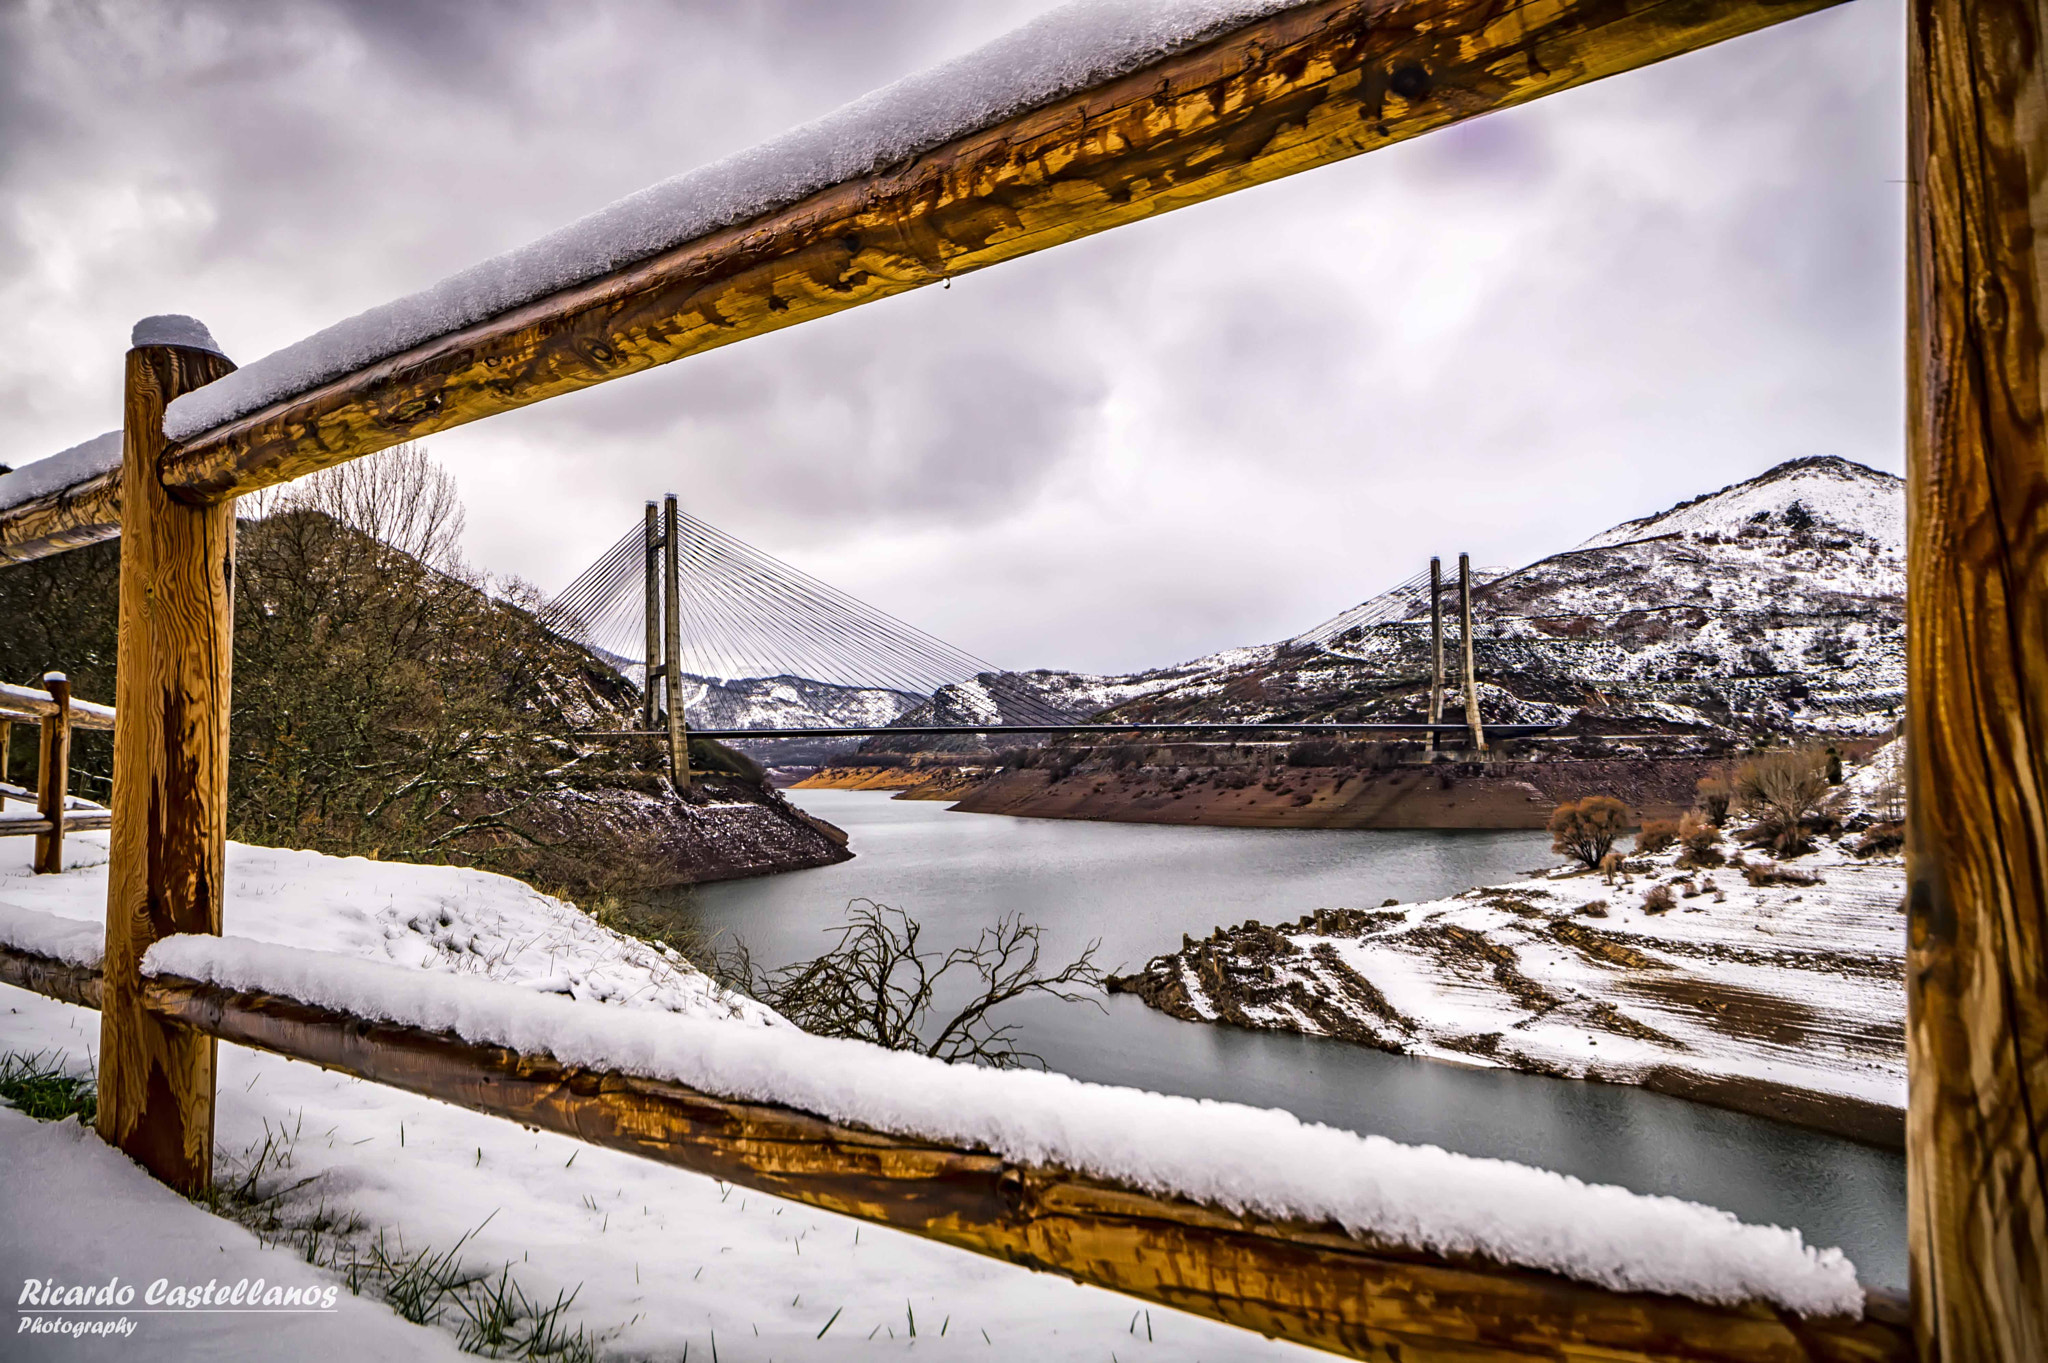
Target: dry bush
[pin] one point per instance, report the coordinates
(876, 985)
(1714, 794)
(1594, 909)
(1655, 835)
(1585, 830)
(1782, 788)
(1761, 874)
(1699, 839)
(1660, 899)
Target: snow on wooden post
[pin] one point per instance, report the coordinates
(1977, 679)
(170, 766)
(53, 775)
(649, 707)
(672, 644)
(1471, 671)
(1436, 647)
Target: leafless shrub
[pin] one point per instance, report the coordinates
(1655, 835)
(1761, 874)
(1660, 899)
(877, 985)
(1700, 841)
(1595, 909)
(1714, 795)
(1585, 830)
(1782, 788)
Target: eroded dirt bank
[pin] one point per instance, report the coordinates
(1508, 794)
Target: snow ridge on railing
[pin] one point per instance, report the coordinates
(1249, 1160)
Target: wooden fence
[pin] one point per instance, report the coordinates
(1300, 88)
(55, 713)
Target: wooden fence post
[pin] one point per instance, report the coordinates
(1436, 647)
(1471, 666)
(170, 766)
(672, 644)
(53, 775)
(1977, 679)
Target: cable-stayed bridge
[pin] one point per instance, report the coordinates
(680, 607)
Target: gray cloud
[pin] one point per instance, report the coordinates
(1207, 429)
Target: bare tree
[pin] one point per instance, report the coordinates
(1783, 788)
(400, 497)
(876, 985)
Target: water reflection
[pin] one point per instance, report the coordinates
(1139, 887)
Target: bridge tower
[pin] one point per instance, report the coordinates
(665, 639)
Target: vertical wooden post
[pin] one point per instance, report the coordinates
(6, 746)
(170, 767)
(1471, 668)
(650, 707)
(672, 644)
(1436, 647)
(53, 775)
(1977, 679)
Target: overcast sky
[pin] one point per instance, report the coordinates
(1210, 429)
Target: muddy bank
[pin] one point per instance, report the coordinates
(935, 782)
(1504, 794)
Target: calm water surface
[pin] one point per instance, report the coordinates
(1139, 887)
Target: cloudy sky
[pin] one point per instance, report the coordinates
(1210, 429)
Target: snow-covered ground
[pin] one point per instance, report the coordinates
(1794, 987)
(660, 1259)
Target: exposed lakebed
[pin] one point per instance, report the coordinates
(1139, 887)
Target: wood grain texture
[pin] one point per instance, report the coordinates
(84, 513)
(1300, 89)
(1313, 1284)
(169, 843)
(1977, 640)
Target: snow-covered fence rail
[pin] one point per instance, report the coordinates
(56, 713)
(1354, 1245)
(1086, 119)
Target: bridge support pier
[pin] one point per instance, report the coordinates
(672, 644)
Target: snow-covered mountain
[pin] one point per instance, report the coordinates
(1775, 604)
(788, 702)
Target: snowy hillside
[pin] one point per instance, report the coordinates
(788, 702)
(1777, 604)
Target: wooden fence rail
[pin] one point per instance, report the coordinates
(1313, 1284)
(56, 712)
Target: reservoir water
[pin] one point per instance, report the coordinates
(1138, 887)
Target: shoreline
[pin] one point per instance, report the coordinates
(1783, 1000)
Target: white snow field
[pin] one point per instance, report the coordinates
(659, 1258)
(82, 1214)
